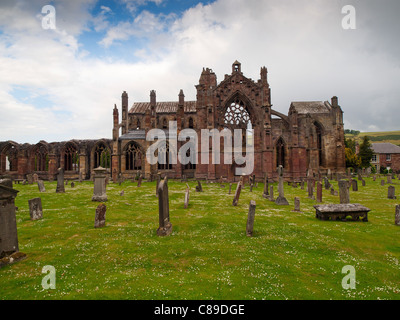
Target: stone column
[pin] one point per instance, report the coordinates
(344, 192)
(99, 191)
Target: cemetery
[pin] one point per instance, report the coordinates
(148, 241)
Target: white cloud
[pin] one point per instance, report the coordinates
(308, 56)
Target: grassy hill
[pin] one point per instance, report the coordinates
(376, 137)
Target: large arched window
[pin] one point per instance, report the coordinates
(318, 131)
(191, 123)
(133, 157)
(102, 156)
(164, 157)
(41, 158)
(71, 158)
(280, 153)
(236, 115)
(10, 157)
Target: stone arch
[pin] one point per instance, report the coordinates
(101, 155)
(40, 157)
(238, 111)
(281, 155)
(9, 156)
(134, 156)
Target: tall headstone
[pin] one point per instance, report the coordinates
(319, 192)
(391, 192)
(281, 200)
(8, 221)
(165, 226)
(99, 190)
(41, 186)
(199, 187)
(29, 178)
(310, 189)
(100, 217)
(237, 194)
(35, 177)
(35, 208)
(139, 184)
(230, 188)
(344, 192)
(187, 193)
(389, 178)
(72, 184)
(250, 218)
(363, 182)
(80, 177)
(60, 181)
(382, 183)
(326, 183)
(266, 192)
(271, 193)
(354, 184)
(397, 216)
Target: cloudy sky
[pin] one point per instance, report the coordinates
(61, 84)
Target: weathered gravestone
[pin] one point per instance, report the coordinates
(397, 216)
(60, 181)
(199, 187)
(281, 200)
(319, 192)
(35, 177)
(266, 192)
(99, 190)
(310, 182)
(230, 188)
(237, 194)
(139, 184)
(354, 184)
(29, 178)
(165, 226)
(41, 186)
(337, 212)
(344, 192)
(382, 183)
(100, 216)
(296, 204)
(326, 183)
(72, 184)
(250, 218)
(187, 193)
(389, 178)
(271, 193)
(80, 177)
(35, 209)
(391, 192)
(9, 250)
(363, 182)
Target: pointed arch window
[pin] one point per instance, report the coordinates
(71, 158)
(280, 153)
(133, 157)
(11, 158)
(236, 114)
(102, 156)
(41, 158)
(164, 157)
(191, 123)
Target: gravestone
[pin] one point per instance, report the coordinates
(237, 194)
(382, 183)
(319, 192)
(391, 192)
(266, 192)
(35, 209)
(250, 218)
(281, 200)
(8, 221)
(158, 183)
(139, 184)
(271, 193)
(332, 191)
(374, 178)
(187, 193)
(310, 188)
(29, 178)
(326, 183)
(302, 184)
(35, 177)
(100, 217)
(199, 187)
(80, 177)
(251, 187)
(60, 181)
(397, 216)
(122, 193)
(41, 186)
(99, 190)
(389, 178)
(354, 184)
(165, 226)
(363, 182)
(72, 184)
(230, 188)
(344, 192)
(296, 204)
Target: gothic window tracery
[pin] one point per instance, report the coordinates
(71, 158)
(102, 156)
(133, 157)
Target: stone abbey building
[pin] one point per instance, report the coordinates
(311, 136)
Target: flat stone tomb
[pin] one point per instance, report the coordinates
(340, 212)
(35, 209)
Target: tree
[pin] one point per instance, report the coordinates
(352, 159)
(366, 152)
(351, 144)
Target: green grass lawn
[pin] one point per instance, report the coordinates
(207, 256)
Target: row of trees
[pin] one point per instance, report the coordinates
(364, 156)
